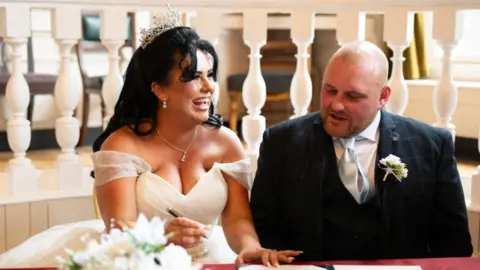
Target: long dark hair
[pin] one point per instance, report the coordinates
(137, 103)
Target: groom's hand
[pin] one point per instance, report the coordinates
(186, 232)
(268, 257)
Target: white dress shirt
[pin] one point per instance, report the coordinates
(365, 149)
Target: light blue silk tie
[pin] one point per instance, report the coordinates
(351, 174)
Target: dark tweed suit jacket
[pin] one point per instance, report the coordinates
(422, 216)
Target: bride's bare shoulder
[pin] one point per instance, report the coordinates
(229, 141)
(122, 140)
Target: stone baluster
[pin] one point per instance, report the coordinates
(254, 92)
(67, 31)
(447, 31)
(398, 33)
(20, 171)
(113, 32)
(303, 31)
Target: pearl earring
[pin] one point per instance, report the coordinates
(164, 105)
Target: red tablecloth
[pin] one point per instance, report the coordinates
(426, 264)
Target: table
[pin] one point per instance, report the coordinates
(426, 264)
(468, 263)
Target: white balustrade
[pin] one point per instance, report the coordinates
(20, 172)
(254, 92)
(447, 30)
(303, 31)
(398, 33)
(113, 34)
(67, 30)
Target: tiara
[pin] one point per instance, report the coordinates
(161, 24)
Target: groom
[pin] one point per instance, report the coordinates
(311, 194)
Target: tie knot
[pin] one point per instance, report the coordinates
(350, 142)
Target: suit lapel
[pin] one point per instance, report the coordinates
(386, 146)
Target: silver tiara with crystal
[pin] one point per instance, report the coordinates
(160, 24)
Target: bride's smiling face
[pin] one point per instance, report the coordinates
(189, 96)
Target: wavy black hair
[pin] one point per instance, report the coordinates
(137, 103)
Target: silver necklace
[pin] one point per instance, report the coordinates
(184, 152)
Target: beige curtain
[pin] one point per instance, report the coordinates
(415, 65)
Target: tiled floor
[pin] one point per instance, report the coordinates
(45, 159)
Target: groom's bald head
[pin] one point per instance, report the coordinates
(364, 55)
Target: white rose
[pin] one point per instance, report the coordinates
(390, 159)
(175, 258)
(152, 233)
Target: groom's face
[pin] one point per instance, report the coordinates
(350, 97)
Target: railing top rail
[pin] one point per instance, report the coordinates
(316, 5)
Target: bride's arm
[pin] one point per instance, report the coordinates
(116, 202)
(236, 218)
(116, 197)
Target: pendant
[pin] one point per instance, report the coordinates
(184, 156)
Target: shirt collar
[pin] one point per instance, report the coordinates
(370, 133)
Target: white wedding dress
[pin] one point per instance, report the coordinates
(204, 203)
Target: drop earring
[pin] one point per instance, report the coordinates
(164, 103)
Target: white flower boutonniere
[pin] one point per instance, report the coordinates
(393, 165)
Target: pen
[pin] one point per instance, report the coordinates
(174, 213)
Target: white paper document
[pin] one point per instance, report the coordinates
(335, 267)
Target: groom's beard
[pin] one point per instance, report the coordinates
(351, 130)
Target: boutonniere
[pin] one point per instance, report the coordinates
(393, 165)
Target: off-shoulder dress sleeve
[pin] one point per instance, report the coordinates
(112, 165)
(240, 170)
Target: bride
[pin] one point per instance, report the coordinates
(164, 148)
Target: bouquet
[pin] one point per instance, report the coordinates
(142, 247)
